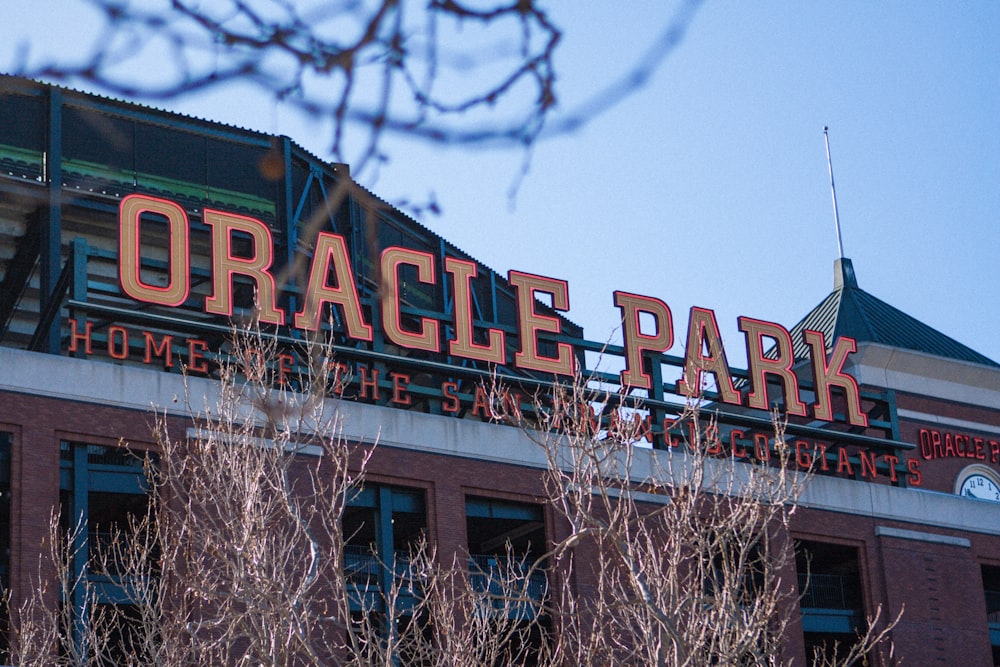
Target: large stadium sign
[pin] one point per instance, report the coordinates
(331, 281)
(435, 349)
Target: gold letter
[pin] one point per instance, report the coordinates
(463, 345)
(129, 256)
(331, 248)
(631, 305)
(225, 264)
(427, 336)
(531, 322)
(759, 366)
(833, 374)
(703, 331)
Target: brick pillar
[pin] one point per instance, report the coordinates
(940, 582)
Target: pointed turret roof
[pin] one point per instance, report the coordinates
(850, 311)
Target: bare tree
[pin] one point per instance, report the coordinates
(45, 631)
(679, 557)
(673, 557)
(240, 558)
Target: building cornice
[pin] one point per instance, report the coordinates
(924, 374)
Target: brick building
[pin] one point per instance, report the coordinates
(129, 236)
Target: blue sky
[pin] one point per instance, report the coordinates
(709, 187)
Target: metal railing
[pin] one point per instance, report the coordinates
(504, 586)
(824, 591)
(495, 575)
(362, 566)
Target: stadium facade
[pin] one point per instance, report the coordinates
(130, 237)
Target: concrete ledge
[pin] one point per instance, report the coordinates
(928, 418)
(886, 531)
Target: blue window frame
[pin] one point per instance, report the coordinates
(380, 525)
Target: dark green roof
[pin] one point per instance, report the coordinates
(850, 311)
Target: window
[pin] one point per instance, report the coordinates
(496, 526)
(991, 591)
(121, 627)
(381, 525)
(492, 524)
(831, 602)
(102, 488)
(505, 540)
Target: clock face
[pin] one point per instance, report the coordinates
(981, 487)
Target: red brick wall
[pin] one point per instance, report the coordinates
(940, 585)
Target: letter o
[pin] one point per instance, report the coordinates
(129, 256)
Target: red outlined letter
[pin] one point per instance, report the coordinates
(703, 331)
(531, 322)
(225, 264)
(832, 374)
(463, 345)
(759, 366)
(129, 252)
(426, 338)
(662, 340)
(331, 253)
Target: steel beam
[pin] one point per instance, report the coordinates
(50, 224)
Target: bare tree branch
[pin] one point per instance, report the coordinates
(445, 71)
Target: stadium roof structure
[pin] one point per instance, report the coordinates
(851, 311)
